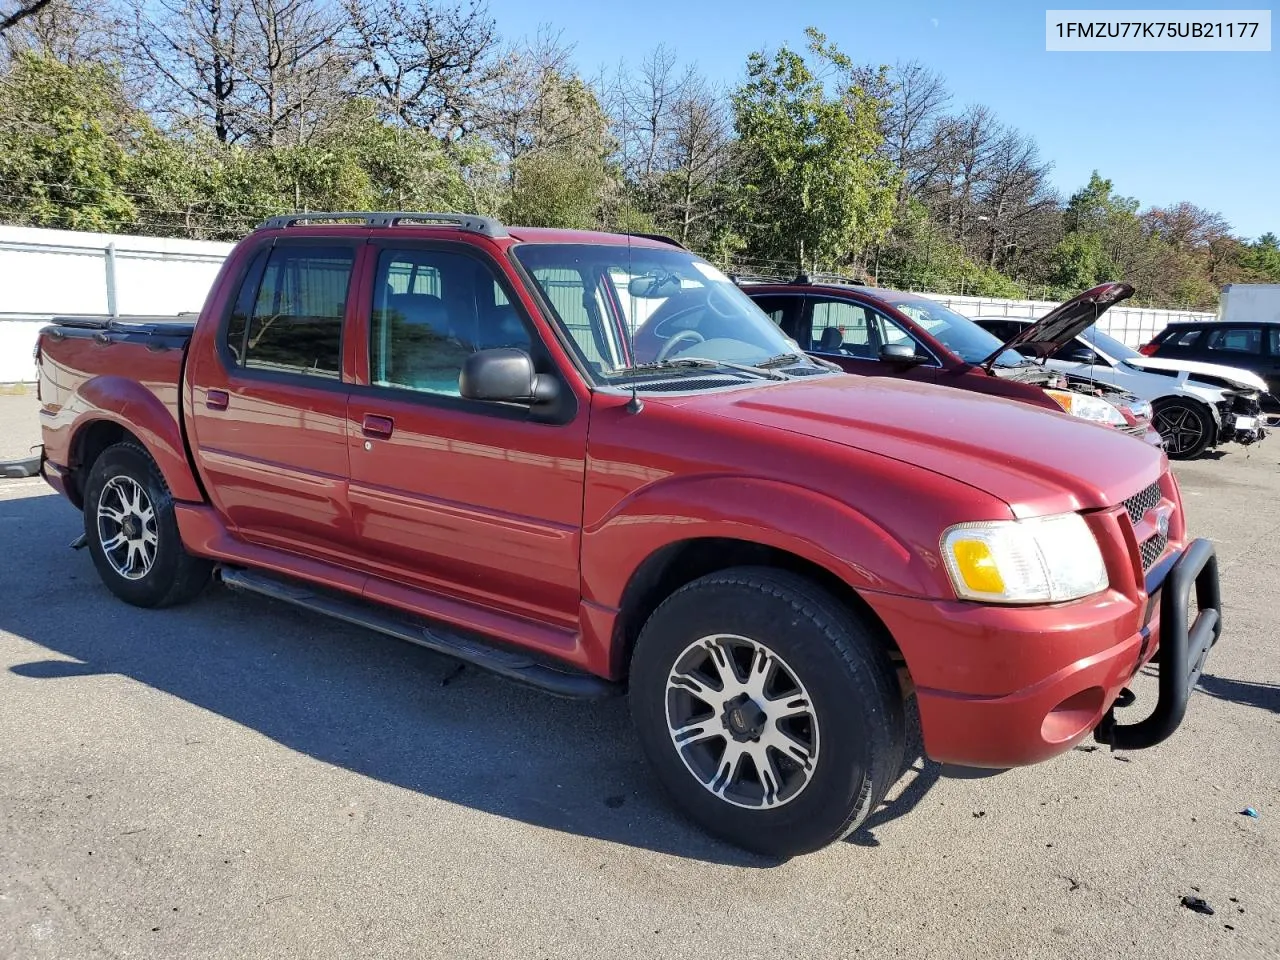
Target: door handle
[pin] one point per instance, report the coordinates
(217, 399)
(374, 425)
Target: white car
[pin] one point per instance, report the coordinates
(1195, 405)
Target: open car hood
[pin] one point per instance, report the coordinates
(1064, 323)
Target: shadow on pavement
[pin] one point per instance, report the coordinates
(1265, 696)
(379, 707)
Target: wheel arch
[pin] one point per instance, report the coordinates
(112, 409)
(672, 566)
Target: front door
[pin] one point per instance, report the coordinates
(269, 405)
(851, 334)
(471, 500)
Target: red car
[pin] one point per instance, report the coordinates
(589, 463)
(879, 332)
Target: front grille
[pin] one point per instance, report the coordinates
(1152, 549)
(1134, 429)
(1141, 502)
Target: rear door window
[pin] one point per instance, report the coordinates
(1243, 340)
(295, 323)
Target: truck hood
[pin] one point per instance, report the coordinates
(1035, 460)
(1064, 323)
(1242, 379)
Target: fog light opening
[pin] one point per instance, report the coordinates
(1075, 715)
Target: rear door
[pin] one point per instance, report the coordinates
(1237, 346)
(785, 310)
(469, 500)
(269, 404)
(1272, 372)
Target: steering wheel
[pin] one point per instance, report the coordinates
(667, 347)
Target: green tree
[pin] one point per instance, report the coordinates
(63, 136)
(813, 189)
(1262, 258)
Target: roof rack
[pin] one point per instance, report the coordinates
(487, 226)
(828, 278)
(740, 278)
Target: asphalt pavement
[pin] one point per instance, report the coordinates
(238, 779)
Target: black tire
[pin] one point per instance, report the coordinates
(856, 702)
(1187, 427)
(174, 576)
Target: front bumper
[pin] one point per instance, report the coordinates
(1065, 665)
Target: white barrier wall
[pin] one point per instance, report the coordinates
(1132, 325)
(44, 273)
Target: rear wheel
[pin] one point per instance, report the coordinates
(132, 531)
(1186, 426)
(768, 710)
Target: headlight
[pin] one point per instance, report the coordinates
(1141, 409)
(1043, 560)
(1088, 408)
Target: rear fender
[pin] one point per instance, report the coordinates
(831, 534)
(135, 408)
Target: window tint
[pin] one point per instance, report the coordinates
(431, 310)
(292, 322)
(841, 327)
(1238, 340)
(775, 308)
(1275, 341)
(1187, 338)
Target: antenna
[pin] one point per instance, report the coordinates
(635, 404)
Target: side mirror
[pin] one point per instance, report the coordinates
(505, 375)
(1078, 354)
(901, 353)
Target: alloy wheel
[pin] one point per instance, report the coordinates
(742, 721)
(127, 528)
(1180, 427)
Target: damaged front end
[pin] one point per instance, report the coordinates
(1240, 418)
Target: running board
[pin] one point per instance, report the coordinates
(513, 665)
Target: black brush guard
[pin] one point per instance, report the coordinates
(1182, 650)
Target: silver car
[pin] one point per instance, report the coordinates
(1195, 405)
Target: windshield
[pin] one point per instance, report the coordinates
(1110, 346)
(627, 306)
(956, 332)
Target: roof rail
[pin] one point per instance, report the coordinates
(741, 278)
(828, 278)
(472, 223)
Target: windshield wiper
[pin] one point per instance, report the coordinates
(782, 360)
(704, 363)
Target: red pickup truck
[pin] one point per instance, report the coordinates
(588, 462)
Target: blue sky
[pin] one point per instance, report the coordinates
(1164, 127)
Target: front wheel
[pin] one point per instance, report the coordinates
(768, 710)
(132, 531)
(1186, 426)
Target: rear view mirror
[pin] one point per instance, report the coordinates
(505, 375)
(900, 353)
(654, 286)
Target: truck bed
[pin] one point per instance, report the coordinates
(73, 351)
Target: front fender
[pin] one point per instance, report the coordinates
(822, 530)
(128, 403)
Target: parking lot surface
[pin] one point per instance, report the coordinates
(236, 778)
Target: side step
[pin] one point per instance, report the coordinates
(563, 682)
